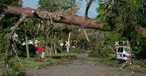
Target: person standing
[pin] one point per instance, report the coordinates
(40, 51)
(116, 46)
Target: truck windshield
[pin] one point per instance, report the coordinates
(120, 49)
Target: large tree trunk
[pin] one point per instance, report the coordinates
(55, 16)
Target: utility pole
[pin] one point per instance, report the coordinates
(27, 48)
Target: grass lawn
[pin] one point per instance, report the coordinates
(55, 59)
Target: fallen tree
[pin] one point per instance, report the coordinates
(54, 16)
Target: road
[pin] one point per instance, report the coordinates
(82, 66)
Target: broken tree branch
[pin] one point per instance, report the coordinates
(89, 2)
(86, 35)
(16, 25)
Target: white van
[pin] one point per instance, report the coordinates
(122, 53)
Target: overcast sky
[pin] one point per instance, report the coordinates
(92, 11)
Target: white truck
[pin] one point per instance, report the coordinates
(123, 53)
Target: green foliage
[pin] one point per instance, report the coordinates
(10, 2)
(30, 63)
(8, 59)
(140, 69)
(6, 24)
(106, 27)
(125, 17)
(3, 43)
(53, 5)
(30, 27)
(102, 43)
(101, 12)
(140, 52)
(16, 66)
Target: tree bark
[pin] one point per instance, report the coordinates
(144, 33)
(56, 17)
(89, 2)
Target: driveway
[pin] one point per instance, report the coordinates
(82, 66)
